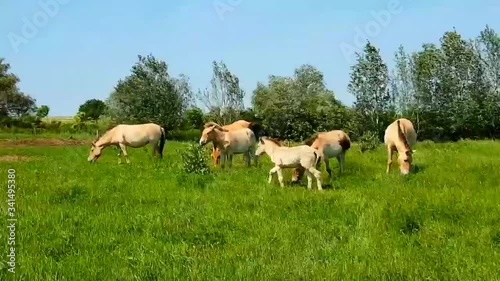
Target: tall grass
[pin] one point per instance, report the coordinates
(79, 221)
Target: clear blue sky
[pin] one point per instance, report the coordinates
(86, 46)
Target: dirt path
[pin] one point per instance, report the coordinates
(16, 158)
(41, 142)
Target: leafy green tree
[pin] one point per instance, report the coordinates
(93, 109)
(150, 94)
(402, 88)
(43, 111)
(426, 72)
(487, 46)
(195, 118)
(13, 103)
(225, 98)
(295, 107)
(369, 83)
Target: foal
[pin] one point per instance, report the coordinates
(291, 157)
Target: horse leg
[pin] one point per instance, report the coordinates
(327, 165)
(230, 160)
(271, 173)
(280, 176)
(222, 159)
(248, 157)
(124, 151)
(119, 154)
(317, 174)
(256, 159)
(309, 179)
(389, 158)
(341, 158)
(156, 149)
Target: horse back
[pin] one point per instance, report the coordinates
(391, 136)
(240, 139)
(332, 143)
(240, 124)
(138, 133)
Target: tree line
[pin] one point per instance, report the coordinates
(448, 90)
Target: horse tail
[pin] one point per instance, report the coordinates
(256, 129)
(163, 139)
(345, 143)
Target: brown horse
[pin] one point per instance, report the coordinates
(240, 124)
(241, 141)
(331, 144)
(400, 136)
(134, 136)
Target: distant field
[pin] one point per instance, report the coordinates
(63, 119)
(142, 221)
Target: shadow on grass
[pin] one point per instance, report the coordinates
(326, 185)
(418, 168)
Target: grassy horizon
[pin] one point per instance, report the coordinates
(147, 221)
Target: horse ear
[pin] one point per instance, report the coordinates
(261, 140)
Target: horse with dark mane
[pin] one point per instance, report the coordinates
(400, 136)
(331, 144)
(240, 124)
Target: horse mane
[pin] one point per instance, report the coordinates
(209, 124)
(402, 136)
(276, 141)
(311, 140)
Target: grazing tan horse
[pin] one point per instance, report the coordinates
(129, 135)
(331, 144)
(291, 157)
(400, 136)
(240, 124)
(240, 141)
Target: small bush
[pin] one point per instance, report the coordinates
(194, 160)
(196, 172)
(368, 141)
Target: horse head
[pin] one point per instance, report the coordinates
(405, 157)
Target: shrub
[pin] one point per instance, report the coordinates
(368, 141)
(196, 172)
(194, 160)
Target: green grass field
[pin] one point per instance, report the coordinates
(143, 221)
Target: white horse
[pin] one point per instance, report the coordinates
(291, 157)
(240, 141)
(129, 135)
